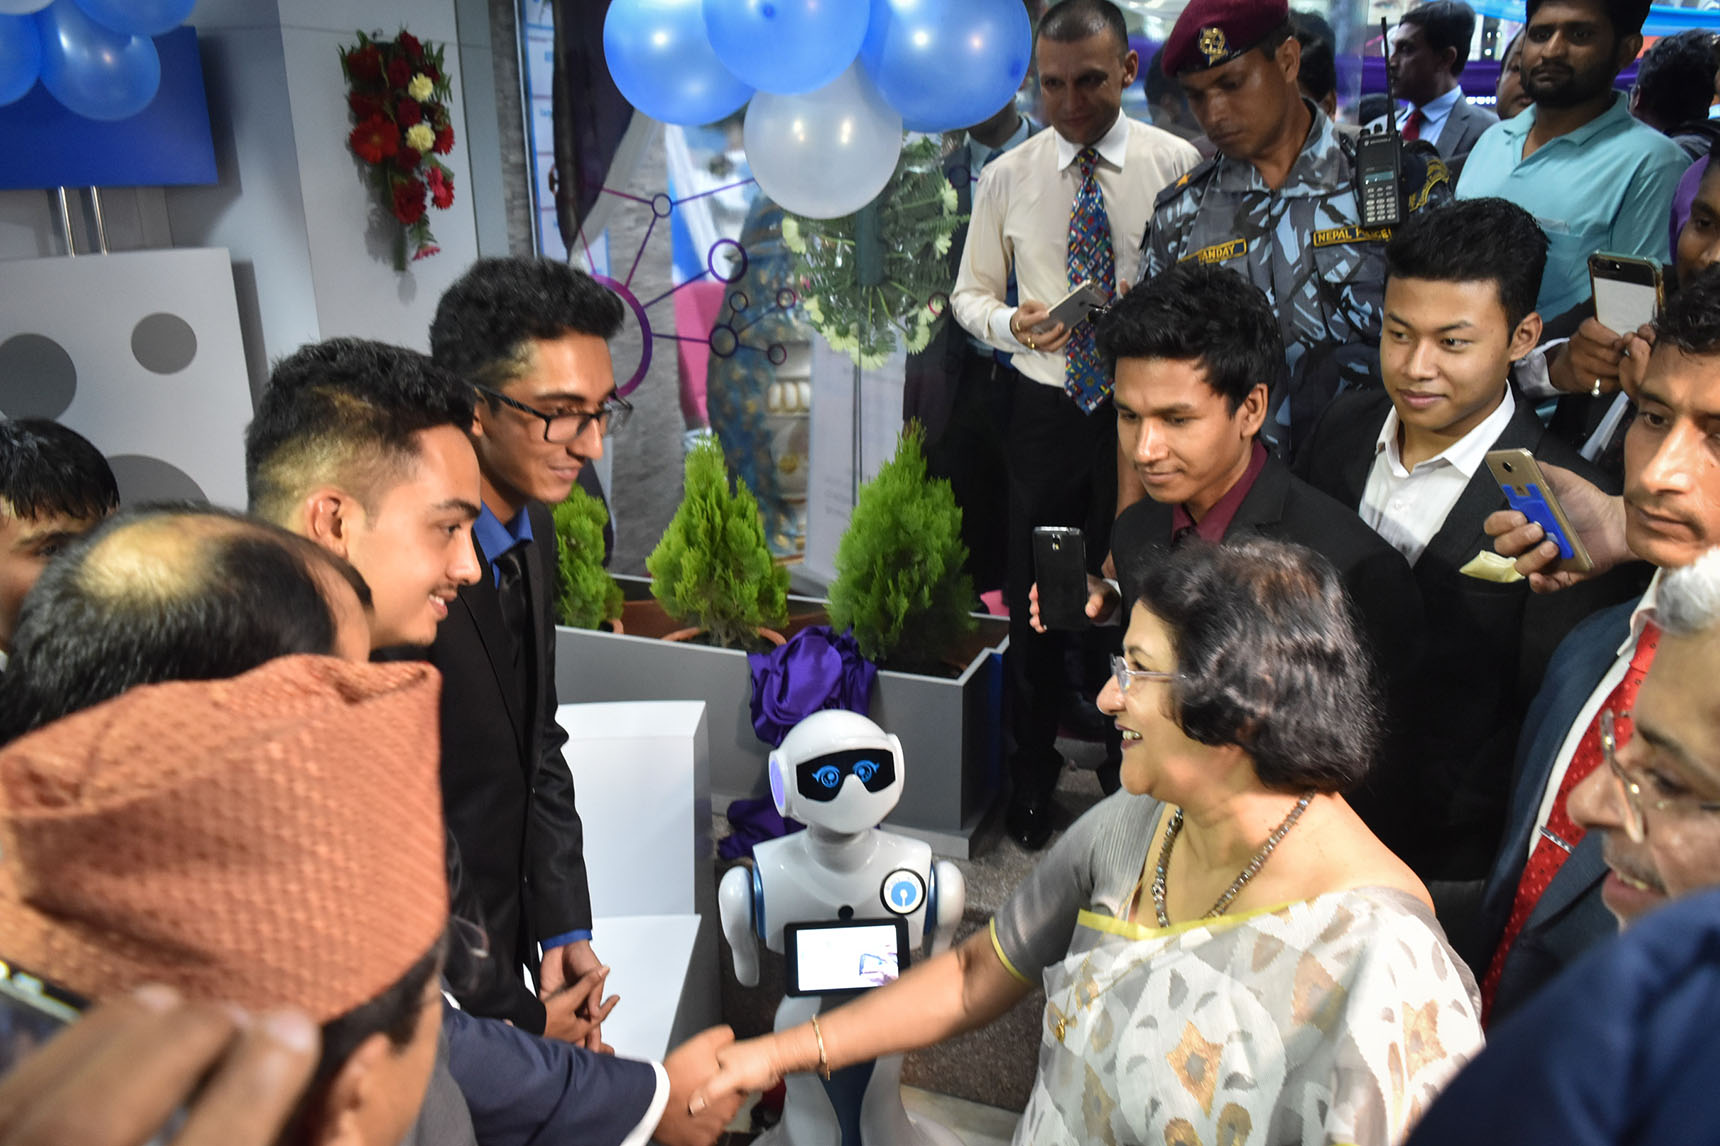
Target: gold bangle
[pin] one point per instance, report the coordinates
(823, 1062)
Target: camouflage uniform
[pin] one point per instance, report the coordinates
(1301, 244)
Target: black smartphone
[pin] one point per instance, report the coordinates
(846, 957)
(32, 1011)
(1060, 569)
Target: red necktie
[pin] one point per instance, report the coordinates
(1545, 860)
(1412, 125)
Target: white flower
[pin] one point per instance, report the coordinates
(421, 137)
(421, 87)
(791, 237)
(941, 244)
(947, 193)
(872, 361)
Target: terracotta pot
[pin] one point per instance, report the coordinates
(614, 626)
(771, 635)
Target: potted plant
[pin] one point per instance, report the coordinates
(900, 582)
(587, 596)
(713, 569)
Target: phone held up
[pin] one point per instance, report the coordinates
(1629, 291)
(1060, 568)
(1527, 491)
(1073, 308)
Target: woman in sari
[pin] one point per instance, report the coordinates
(1228, 954)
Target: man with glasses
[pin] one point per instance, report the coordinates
(530, 336)
(1544, 902)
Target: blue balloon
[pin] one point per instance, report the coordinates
(947, 64)
(20, 57)
(661, 59)
(786, 46)
(95, 72)
(138, 17)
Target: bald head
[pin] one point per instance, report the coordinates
(174, 593)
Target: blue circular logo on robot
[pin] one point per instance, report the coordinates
(903, 892)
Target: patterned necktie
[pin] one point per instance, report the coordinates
(1089, 258)
(1412, 125)
(1562, 834)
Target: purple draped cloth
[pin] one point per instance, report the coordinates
(816, 669)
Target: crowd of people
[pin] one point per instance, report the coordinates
(282, 793)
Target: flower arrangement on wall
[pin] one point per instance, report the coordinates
(398, 94)
(916, 221)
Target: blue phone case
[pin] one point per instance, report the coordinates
(1533, 506)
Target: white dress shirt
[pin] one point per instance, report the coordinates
(1020, 223)
(1406, 507)
(1639, 617)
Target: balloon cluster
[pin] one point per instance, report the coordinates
(94, 56)
(832, 82)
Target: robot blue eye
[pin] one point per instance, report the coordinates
(866, 769)
(829, 775)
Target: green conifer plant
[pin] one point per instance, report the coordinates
(713, 568)
(586, 594)
(900, 577)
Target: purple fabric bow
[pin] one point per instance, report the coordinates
(816, 669)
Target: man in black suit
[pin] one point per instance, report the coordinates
(1429, 48)
(531, 337)
(1191, 354)
(1460, 296)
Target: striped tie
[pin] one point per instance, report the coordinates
(1089, 258)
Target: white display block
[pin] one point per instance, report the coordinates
(641, 776)
(830, 490)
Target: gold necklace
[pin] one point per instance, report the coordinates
(1249, 870)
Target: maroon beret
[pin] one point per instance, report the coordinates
(1214, 32)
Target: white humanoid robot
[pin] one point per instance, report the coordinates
(840, 774)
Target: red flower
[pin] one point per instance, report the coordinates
(444, 141)
(409, 201)
(429, 69)
(441, 188)
(365, 64)
(407, 112)
(364, 106)
(425, 252)
(413, 48)
(375, 139)
(407, 159)
(399, 73)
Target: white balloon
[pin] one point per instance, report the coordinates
(22, 7)
(825, 153)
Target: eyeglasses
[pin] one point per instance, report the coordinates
(1126, 676)
(1637, 805)
(559, 429)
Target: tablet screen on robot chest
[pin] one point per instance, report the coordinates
(844, 957)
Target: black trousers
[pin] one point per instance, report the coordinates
(972, 454)
(1062, 471)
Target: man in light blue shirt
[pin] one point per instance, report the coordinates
(1594, 178)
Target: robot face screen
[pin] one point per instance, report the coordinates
(821, 777)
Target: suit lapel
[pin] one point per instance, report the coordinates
(1582, 869)
(1263, 506)
(1358, 457)
(484, 606)
(1461, 536)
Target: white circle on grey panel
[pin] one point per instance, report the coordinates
(163, 343)
(143, 478)
(37, 378)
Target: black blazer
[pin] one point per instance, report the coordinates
(507, 793)
(1488, 643)
(1378, 581)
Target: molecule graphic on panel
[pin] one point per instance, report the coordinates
(757, 390)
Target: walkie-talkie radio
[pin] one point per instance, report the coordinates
(1379, 160)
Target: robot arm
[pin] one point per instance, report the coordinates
(951, 903)
(735, 903)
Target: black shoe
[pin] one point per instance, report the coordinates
(1029, 823)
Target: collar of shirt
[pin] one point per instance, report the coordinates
(1466, 454)
(1642, 614)
(495, 538)
(1321, 168)
(1113, 146)
(1615, 118)
(979, 154)
(1217, 521)
(1435, 110)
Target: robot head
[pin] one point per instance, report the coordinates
(838, 770)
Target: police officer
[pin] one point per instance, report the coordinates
(1277, 202)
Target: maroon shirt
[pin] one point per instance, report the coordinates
(1217, 521)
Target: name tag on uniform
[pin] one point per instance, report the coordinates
(1343, 236)
(1218, 252)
